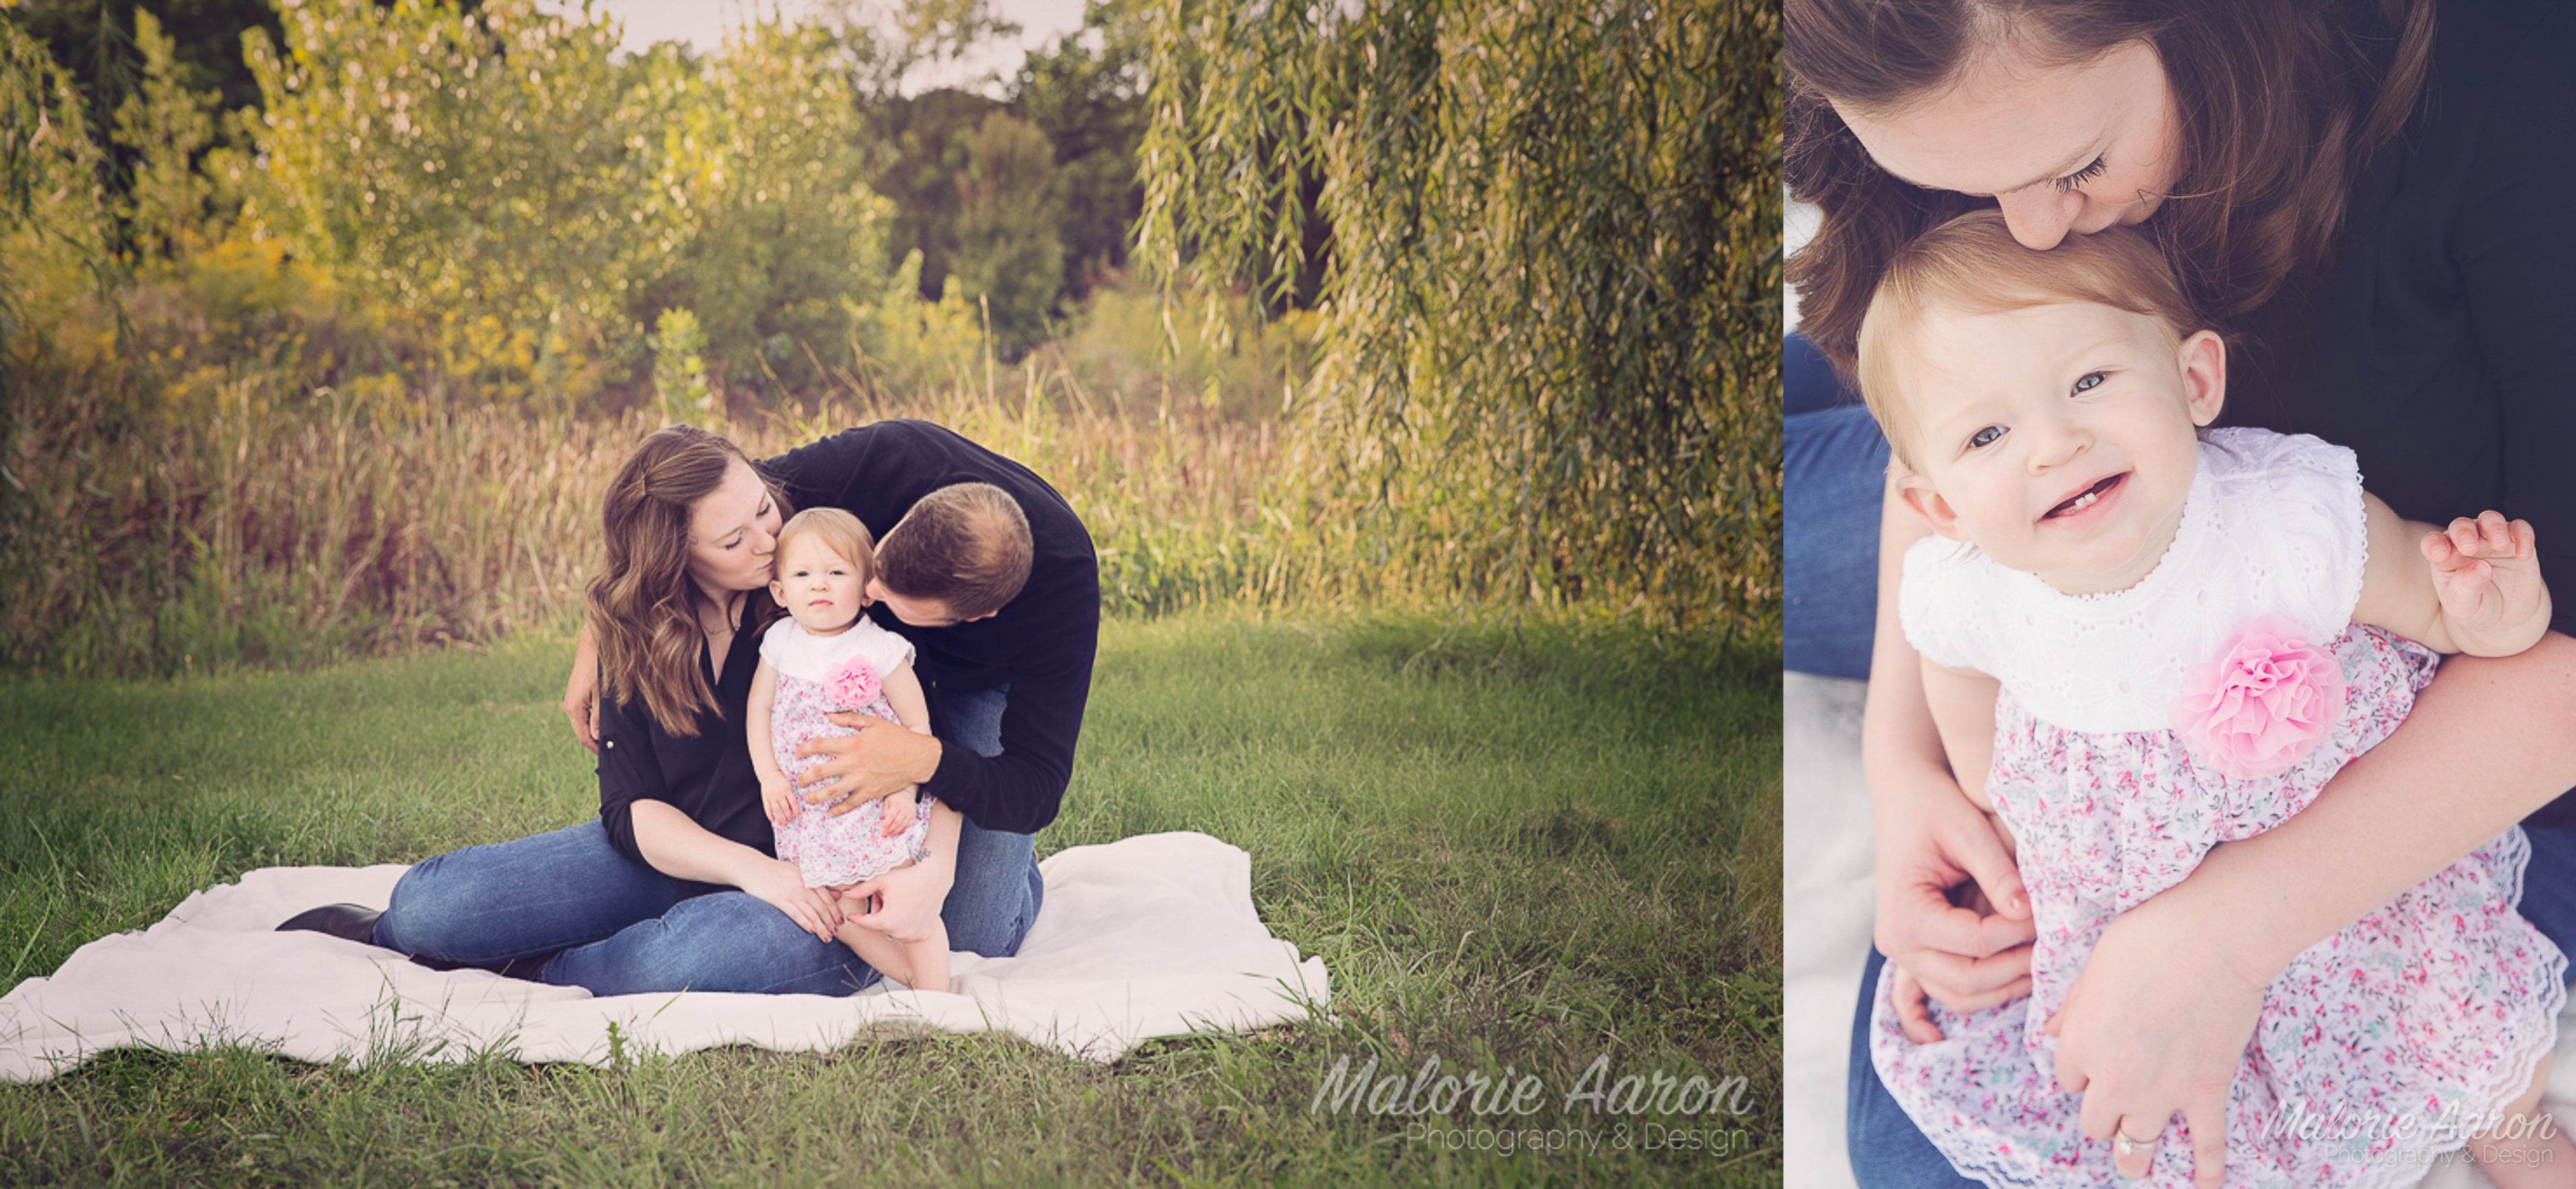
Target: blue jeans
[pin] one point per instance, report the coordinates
(1833, 464)
(618, 927)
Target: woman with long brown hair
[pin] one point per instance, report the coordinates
(2369, 195)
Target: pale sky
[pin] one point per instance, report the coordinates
(702, 23)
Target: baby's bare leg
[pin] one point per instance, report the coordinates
(890, 957)
(2526, 1150)
(929, 959)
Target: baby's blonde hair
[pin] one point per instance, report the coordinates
(837, 530)
(1972, 264)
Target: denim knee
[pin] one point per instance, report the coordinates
(484, 905)
(996, 894)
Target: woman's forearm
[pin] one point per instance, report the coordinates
(677, 846)
(581, 691)
(2488, 743)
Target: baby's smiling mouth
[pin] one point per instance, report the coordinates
(2085, 498)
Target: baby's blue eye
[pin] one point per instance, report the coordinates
(1985, 437)
(2090, 380)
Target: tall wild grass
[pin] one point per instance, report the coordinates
(286, 529)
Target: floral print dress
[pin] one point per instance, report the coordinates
(2137, 729)
(819, 675)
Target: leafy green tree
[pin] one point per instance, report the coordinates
(166, 125)
(881, 45)
(765, 165)
(93, 39)
(528, 203)
(1008, 253)
(55, 234)
(928, 134)
(55, 266)
(477, 173)
(1550, 366)
(1086, 92)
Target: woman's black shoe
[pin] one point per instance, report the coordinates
(353, 922)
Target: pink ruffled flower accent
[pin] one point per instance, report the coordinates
(2269, 700)
(854, 685)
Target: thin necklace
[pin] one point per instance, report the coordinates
(725, 613)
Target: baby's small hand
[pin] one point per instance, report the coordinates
(899, 811)
(2486, 571)
(1913, 1009)
(778, 797)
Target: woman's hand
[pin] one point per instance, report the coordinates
(1936, 854)
(2156, 1025)
(581, 692)
(908, 900)
(781, 886)
(882, 759)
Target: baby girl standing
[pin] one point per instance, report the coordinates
(828, 657)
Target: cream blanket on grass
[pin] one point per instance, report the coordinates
(1144, 937)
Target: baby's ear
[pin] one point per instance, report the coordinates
(1928, 504)
(2204, 375)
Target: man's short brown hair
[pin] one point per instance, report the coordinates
(965, 546)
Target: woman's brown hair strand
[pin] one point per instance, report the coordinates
(643, 603)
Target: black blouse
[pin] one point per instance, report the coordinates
(2441, 344)
(707, 776)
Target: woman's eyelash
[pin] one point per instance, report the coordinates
(2081, 176)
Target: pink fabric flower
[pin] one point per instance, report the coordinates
(854, 685)
(2269, 700)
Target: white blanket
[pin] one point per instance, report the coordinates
(1148, 936)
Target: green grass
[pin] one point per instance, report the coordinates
(1527, 853)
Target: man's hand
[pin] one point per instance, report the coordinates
(882, 759)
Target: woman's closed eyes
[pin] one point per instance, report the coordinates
(2081, 176)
